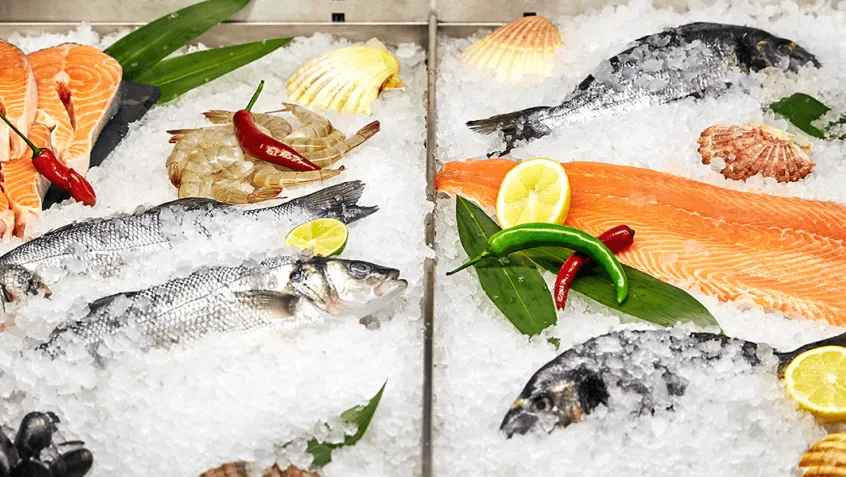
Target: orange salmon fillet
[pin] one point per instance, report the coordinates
(23, 185)
(7, 218)
(18, 99)
(77, 87)
(782, 253)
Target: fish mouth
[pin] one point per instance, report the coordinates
(392, 286)
(517, 421)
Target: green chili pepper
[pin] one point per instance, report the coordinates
(526, 236)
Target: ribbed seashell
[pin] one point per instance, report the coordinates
(826, 458)
(230, 469)
(524, 47)
(756, 149)
(347, 80)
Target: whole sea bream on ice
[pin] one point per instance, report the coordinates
(640, 371)
(688, 61)
(228, 299)
(101, 245)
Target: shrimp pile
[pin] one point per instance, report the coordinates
(209, 162)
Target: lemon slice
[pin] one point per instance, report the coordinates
(327, 237)
(536, 190)
(817, 380)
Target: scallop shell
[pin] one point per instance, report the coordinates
(346, 80)
(826, 458)
(524, 47)
(756, 149)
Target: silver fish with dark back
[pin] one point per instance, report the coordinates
(102, 244)
(232, 299)
(687, 61)
(568, 388)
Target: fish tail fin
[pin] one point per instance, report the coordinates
(786, 358)
(338, 202)
(515, 126)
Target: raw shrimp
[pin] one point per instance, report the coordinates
(268, 175)
(273, 126)
(311, 124)
(313, 144)
(330, 155)
(193, 145)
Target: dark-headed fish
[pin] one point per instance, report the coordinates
(644, 364)
(689, 60)
(231, 299)
(101, 245)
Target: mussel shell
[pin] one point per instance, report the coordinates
(34, 434)
(75, 463)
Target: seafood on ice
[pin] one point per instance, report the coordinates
(233, 299)
(209, 162)
(60, 98)
(346, 80)
(826, 458)
(99, 246)
(568, 388)
(521, 51)
(690, 60)
(755, 149)
(730, 244)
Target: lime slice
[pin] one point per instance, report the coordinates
(327, 237)
(817, 380)
(535, 191)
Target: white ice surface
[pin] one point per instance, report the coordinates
(240, 397)
(741, 424)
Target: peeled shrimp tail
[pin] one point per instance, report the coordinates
(314, 144)
(268, 176)
(219, 116)
(231, 191)
(313, 124)
(331, 155)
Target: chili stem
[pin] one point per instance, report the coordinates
(473, 261)
(35, 150)
(255, 96)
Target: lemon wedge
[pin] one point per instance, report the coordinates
(817, 380)
(327, 237)
(535, 191)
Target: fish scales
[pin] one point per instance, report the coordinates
(101, 245)
(231, 299)
(688, 61)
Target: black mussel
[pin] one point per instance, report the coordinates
(31, 468)
(34, 434)
(8, 455)
(75, 463)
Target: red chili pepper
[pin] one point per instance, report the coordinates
(616, 239)
(47, 165)
(264, 147)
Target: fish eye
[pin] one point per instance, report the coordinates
(542, 404)
(359, 269)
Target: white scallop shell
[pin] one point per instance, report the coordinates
(346, 80)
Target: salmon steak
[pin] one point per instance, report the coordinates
(782, 253)
(18, 99)
(77, 96)
(23, 185)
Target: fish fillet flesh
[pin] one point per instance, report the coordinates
(782, 253)
(7, 218)
(23, 185)
(18, 99)
(77, 88)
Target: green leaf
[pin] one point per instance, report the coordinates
(649, 299)
(514, 285)
(359, 416)
(554, 342)
(179, 75)
(801, 110)
(145, 47)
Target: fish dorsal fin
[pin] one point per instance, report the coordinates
(283, 304)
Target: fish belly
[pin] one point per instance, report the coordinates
(18, 99)
(782, 253)
(78, 88)
(23, 185)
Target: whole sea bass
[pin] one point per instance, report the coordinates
(228, 299)
(645, 364)
(102, 244)
(689, 60)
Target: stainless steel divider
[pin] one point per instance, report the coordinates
(429, 266)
